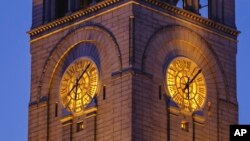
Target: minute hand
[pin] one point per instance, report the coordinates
(195, 76)
(77, 80)
(192, 79)
(83, 73)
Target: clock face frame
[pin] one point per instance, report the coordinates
(79, 85)
(186, 84)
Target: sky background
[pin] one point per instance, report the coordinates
(15, 21)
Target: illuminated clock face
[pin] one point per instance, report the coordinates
(186, 84)
(79, 85)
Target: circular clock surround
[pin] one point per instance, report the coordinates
(186, 84)
(79, 84)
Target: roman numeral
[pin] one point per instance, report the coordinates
(172, 68)
(199, 79)
(63, 91)
(92, 70)
(199, 99)
(201, 90)
(171, 80)
(172, 90)
(178, 99)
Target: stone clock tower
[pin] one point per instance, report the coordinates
(132, 70)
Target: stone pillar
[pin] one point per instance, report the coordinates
(37, 12)
(191, 5)
(47, 11)
(53, 9)
(222, 11)
(172, 2)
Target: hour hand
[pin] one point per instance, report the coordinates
(187, 87)
(195, 76)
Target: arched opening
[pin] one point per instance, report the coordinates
(196, 6)
(203, 6)
(86, 3)
(180, 3)
(61, 8)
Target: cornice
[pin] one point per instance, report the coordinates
(73, 16)
(184, 14)
(192, 17)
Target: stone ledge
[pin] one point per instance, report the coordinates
(192, 17)
(132, 71)
(73, 16)
(183, 14)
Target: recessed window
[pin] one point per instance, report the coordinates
(79, 126)
(85, 3)
(204, 8)
(61, 8)
(56, 109)
(160, 95)
(104, 92)
(184, 125)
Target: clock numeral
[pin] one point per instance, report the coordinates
(171, 80)
(92, 70)
(188, 65)
(194, 71)
(199, 79)
(93, 79)
(201, 90)
(182, 64)
(179, 99)
(172, 69)
(179, 64)
(72, 70)
(172, 90)
(199, 99)
(63, 90)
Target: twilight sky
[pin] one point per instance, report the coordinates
(15, 66)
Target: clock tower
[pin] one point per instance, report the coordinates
(133, 70)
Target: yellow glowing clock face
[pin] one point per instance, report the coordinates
(79, 85)
(186, 84)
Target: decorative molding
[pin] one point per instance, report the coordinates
(73, 16)
(132, 71)
(66, 120)
(194, 17)
(181, 13)
(199, 119)
(174, 110)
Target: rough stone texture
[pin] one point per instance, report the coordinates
(133, 109)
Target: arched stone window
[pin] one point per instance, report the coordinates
(54, 9)
(61, 8)
(196, 6)
(203, 8)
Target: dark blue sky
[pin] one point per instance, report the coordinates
(15, 66)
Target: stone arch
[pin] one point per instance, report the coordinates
(104, 40)
(177, 40)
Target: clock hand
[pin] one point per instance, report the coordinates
(71, 89)
(76, 89)
(195, 76)
(187, 85)
(77, 80)
(188, 89)
(76, 93)
(83, 73)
